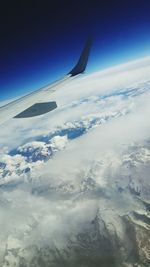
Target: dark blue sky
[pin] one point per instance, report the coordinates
(41, 40)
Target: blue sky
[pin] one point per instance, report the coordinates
(41, 41)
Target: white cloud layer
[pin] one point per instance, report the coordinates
(85, 158)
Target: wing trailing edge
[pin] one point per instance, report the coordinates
(37, 109)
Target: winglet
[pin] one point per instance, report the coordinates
(82, 62)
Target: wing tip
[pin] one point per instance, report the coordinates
(82, 62)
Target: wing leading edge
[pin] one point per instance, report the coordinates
(39, 102)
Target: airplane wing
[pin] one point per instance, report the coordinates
(37, 102)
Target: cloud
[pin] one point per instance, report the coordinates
(81, 162)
